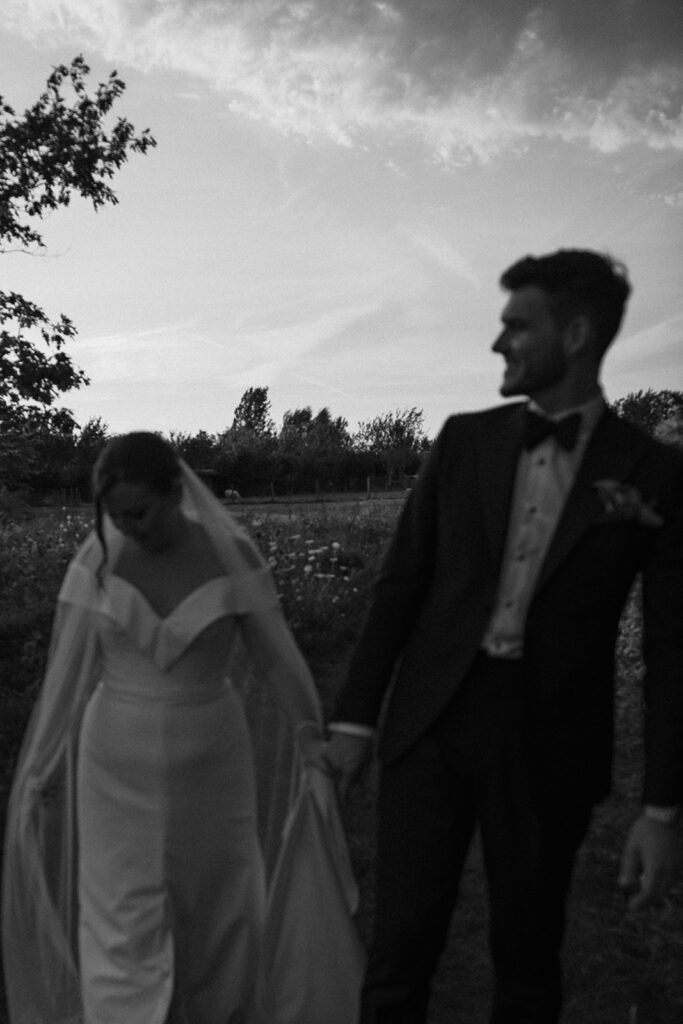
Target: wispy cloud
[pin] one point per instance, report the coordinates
(467, 79)
(442, 253)
(182, 354)
(658, 343)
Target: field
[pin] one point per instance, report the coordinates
(619, 969)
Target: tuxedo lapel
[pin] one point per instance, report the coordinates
(610, 454)
(498, 448)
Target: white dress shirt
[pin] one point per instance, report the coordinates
(544, 478)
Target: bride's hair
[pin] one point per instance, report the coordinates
(140, 457)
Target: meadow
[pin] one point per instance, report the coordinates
(620, 969)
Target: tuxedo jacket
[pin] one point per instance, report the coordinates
(437, 588)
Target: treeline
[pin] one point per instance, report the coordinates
(309, 453)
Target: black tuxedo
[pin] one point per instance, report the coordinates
(435, 596)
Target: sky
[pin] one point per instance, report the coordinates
(337, 187)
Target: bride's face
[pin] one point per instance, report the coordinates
(148, 518)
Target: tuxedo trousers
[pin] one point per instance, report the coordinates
(481, 763)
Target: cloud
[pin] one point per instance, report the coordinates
(466, 78)
(658, 344)
(442, 253)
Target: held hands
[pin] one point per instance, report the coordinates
(649, 863)
(346, 756)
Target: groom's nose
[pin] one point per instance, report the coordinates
(501, 343)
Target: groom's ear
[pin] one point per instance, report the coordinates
(578, 337)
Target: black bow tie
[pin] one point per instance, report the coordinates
(537, 428)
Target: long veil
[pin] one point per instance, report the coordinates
(39, 913)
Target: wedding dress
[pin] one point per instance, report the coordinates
(171, 880)
(146, 820)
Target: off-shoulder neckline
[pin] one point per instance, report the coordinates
(185, 601)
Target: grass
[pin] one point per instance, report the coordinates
(620, 969)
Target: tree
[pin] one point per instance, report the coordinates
(253, 413)
(649, 408)
(313, 450)
(395, 438)
(246, 449)
(331, 435)
(301, 430)
(58, 148)
(199, 450)
(91, 439)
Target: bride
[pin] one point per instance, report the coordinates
(156, 774)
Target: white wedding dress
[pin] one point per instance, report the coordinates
(133, 879)
(171, 882)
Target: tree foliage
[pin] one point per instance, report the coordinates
(647, 409)
(57, 148)
(303, 432)
(311, 453)
(253, 413)
(198, 449)
(396, 438)
(314, 450)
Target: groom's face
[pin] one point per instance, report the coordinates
(531, 343)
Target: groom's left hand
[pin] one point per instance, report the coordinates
(650, 861)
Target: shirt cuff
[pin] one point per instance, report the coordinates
(352, 729)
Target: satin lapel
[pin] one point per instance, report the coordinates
(497, 457)
(610, 454)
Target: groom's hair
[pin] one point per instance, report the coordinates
(579, 282)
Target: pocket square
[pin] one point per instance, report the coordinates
(623, 503)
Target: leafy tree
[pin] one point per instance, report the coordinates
(301, 430)
(313, 450)
(91, 439)
(331, 435)
(396, 439)
(247, 448)
(253, 413)
(649, 408)
(59, 147)
(199, 450)
(296, 428)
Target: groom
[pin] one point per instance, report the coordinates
(492, 635)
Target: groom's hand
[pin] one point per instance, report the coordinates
(346, 755)
(650, 861)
